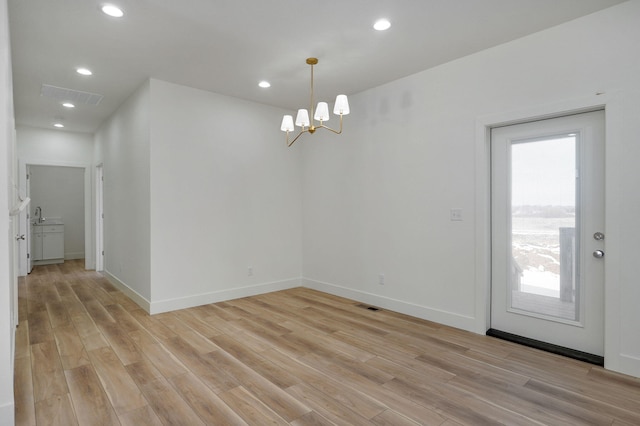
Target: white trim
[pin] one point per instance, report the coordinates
(629, 365)
(132, 294)
(419, 311)
(483, 226)
(7, 412)
(74, 255)
(99, 220)
(221, 295)
(41, 162)
(48, 262)
(200, 299)
(424, 312)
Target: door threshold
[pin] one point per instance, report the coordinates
(547, 347)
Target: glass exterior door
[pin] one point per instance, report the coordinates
(547, 209)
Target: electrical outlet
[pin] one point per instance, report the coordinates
(250, 271)
(381, 279)
(456, 214)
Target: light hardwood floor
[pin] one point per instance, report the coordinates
(88, 355)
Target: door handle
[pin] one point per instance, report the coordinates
(598, 254)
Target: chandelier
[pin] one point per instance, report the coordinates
(341, 107)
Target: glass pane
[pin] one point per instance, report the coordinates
(543, 224)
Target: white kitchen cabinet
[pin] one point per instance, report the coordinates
(36, 243)
(48, 244)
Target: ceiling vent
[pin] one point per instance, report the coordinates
(70, 95)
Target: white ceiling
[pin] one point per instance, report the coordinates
(228, 46)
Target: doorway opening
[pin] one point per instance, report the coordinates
(77, 222)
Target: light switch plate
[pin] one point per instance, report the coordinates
(456, 214)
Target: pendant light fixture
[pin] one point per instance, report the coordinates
(341, 107)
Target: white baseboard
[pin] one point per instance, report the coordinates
(7, 414)
(415, 310)
(627, 364)
(419, 311)
(47, 262)
(221, 295)
(74, 255)
(132, 294)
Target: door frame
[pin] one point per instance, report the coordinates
(89, 261)
(99, 219)
(484, 124)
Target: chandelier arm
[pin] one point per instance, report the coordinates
(296, 138)
(337, 132)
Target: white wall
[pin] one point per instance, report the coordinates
(123, 146)
(377, 200)
(59, 192)
(48, 146)
(6, 231)
(225, 196)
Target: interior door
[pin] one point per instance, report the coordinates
(25, 235)
(23, 239)
(547, 231)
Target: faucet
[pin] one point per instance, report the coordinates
(38, 213)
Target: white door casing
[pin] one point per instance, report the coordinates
(99, 218)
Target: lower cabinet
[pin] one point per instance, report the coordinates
(36, 244)
(48, 243)
(53, 245)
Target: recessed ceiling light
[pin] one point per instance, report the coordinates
(382, 24)
(59, 125)
(111, 10)
(83, 71)
(68, 105)
(264, 84)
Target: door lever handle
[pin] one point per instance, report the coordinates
(598, 254)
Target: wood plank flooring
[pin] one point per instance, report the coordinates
(88, 355)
